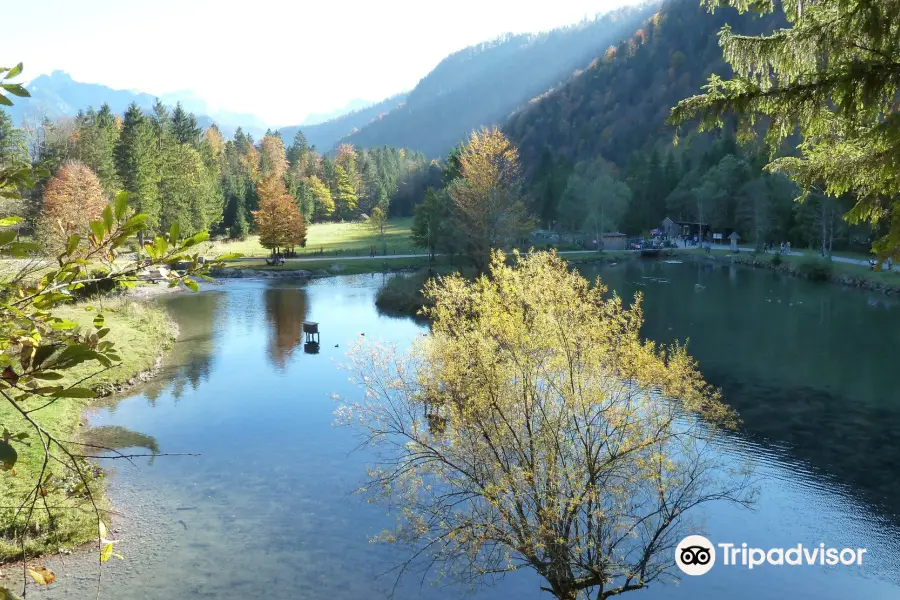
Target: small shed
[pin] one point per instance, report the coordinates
(613, 241)
(670, 228)
(734, 237)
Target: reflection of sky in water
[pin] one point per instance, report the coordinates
(266, 510)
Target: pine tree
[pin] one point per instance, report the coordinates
(96, 136)
(298, 149)
(135, 155)
(834, 76)
(184, 127)
(13, 148)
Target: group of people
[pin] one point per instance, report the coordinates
(784, 247)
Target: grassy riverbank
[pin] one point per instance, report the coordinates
(142, 332)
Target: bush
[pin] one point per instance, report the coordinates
(403, 294)
(777, 260)
(816, 269)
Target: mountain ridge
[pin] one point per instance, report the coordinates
(483, 84)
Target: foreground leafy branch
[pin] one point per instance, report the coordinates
(833, 77)
(39, 350)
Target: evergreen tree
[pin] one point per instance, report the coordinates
(832, 75)
(96, 136)
(296, 153)
(135, 155)
(184, 127)
(13, 148)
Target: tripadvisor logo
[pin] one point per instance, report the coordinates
(696, 555)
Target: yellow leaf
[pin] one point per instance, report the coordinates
(106, 553)
(42, 575)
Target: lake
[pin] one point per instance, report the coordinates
(266, 509)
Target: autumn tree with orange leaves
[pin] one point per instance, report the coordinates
(72, 199)
(280, 224)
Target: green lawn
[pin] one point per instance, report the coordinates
(141, 333)
(334, 239)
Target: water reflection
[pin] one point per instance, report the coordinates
(190, 361)
(810, 367)
(266, 509)
(286, 308)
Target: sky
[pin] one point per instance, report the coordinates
(277, 59)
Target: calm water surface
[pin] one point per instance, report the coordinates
(267, 511)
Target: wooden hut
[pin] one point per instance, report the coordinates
(614, 241)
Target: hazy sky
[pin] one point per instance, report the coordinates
(278, 59)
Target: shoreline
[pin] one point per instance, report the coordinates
(791, 266)
(150, 334)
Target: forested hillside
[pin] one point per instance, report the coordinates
(325, 135)
(620, 104)
(600, 143)
(483, 84)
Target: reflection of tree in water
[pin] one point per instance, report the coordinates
(190, 360)
(809, 368)
(117, 438)
(286, 309)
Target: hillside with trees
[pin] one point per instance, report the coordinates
(607, 125)
(481, 85)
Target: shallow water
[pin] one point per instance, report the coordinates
(266, 509)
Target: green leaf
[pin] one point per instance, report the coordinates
(173, 233)
(64, 325)
(16, 90)
(108, 217)
(10, 221)
(21, 249)
(5, 101)
(135, 222)
(8, 456)
(98, 229)
(7, 594)
(14, 72)
(191, 284)
(75, 393)
(76, 354)
(121, 205)
(7, 237)
(48, 375)
(102, 333)
(72, 243)
(98, 321)
(42, 353)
